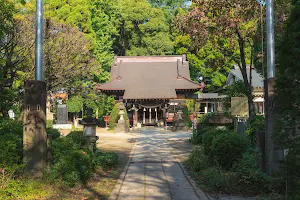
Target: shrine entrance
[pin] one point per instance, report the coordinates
(146, 113)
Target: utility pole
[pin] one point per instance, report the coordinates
(34, 134)
(271, 153)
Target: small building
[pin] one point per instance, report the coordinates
(150, 86)
(210, 102)
(257, 84)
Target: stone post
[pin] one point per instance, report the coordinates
(156, 115)
(34, 120)
(144, 116)
(149, 115)
(89, 131)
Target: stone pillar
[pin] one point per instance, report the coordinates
(144, 116)
(273, 154)
(149, 115)
(34, 132)
(135, 119)
(156, 115)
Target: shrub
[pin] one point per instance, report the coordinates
(227, 148)
(197, 160)
(72, 162)
(201, 130)
(54, 132)
(250, 179)
(218, 180)
(77, 138)
(105, 160)
(208, 137)
(11, 145)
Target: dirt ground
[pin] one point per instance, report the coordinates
(102, 183)
(120, 143)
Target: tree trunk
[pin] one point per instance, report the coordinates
(243, 68)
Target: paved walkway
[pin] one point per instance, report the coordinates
(153, 172)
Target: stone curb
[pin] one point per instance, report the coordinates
(115, 193)
(202, 195)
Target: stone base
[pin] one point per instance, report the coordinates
(121, 127)
(179, 125)
(62, 126)
(138, 125)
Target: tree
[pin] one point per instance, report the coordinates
(288, 99)
(205, 61)
(233, 24)
(143, 30)
(105, 22)
(14, 55)
(75, 13)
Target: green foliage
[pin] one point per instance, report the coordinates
(287, 98)
(227, 148)
(236, 89)
(53, 132)
(197, 160)
(144, 30)
(77, 138)
(208, 61)
(21, 189)
(11, 145)
(255, 125)
(251, 178)
(244, 177)
(75, 104)
(218, 180)
(105, 160)
(73, 161)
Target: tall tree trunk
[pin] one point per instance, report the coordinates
(243, 68)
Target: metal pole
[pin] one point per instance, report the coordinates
(262, 40)
(270, 39)
(39, 41)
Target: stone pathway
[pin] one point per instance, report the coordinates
(154, 173)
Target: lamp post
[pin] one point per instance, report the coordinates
(271, 115)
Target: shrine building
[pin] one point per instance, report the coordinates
(150, 86)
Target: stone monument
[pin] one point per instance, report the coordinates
(179, 124)
(62, 117)
(122, 126)
(89, 131)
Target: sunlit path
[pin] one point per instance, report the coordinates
(153, 172)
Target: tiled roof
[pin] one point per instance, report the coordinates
(150, 77)
(257, 79)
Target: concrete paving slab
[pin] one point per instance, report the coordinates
(154, 173)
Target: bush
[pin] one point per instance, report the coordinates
(72, 161)
(208, 137)
(105, 160)
(197, 160)
(77, 138)
(201, 130)
(218, 180)
(54, 132)
(250, 179)
(227, 148)
(11, 145)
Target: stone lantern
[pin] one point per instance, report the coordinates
(89, 128)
